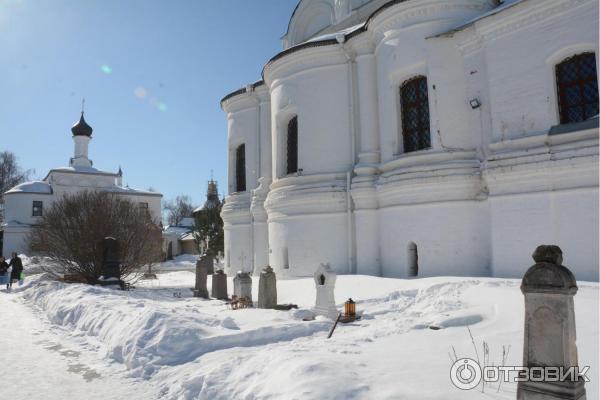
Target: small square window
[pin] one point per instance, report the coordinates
(143, 206)
(37, 209)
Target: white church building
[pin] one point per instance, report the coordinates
(419, 138)
(25, 203)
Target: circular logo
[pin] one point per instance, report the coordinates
(465, 374)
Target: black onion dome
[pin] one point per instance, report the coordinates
(81, 128)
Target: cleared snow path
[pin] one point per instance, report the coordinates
(36, 363)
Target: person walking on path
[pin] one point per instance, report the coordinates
(4, 272)
(17, 269)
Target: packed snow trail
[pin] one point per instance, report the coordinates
(38, 364)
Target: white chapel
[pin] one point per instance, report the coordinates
(25, 203)
(408, 138)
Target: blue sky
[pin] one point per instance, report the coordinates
(152, 73)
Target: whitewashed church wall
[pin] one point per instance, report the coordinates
(265, 135)
(520, 60)
(15, 239)
(566, 218)
(300, 244)
(402, 53)
(261, 245)
(320, 98)
(19, 206)
(450, 111)
(436, 198)
(368, 243)
(242, 129)
(452, 238)
(239, 255)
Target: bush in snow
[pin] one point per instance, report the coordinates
(70, 233)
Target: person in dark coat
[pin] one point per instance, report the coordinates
(17, 268)
(4, 272)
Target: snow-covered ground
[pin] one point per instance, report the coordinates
(157, 341)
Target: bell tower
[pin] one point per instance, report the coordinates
(82, 134)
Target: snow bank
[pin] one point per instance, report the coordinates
(145, 333)
(198, 349)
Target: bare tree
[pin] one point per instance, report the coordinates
(178, 209)
(10, 175)
(70, 233)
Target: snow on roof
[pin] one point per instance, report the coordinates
(334, 35)
(128, 190)
(39, 187)
(187, 236)
(187, 222)
(505, 5)
(179, 230)
(83, 169)
(14, 224)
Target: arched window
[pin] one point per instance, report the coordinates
(577, 86)
(292, 146)
(240, 168)
(414, 105)
(413, 259)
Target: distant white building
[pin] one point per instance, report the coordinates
(419, 138)
(179, 239)
(25, 203)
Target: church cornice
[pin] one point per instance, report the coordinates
(513, 18)
(380, 20)
(253, 86)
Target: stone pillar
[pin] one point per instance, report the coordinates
(549, 340)
(200, 290)
(242, 285)
(325, 285)
(364, 192)
(259, 225)
(219, 285)
(207, 262)
(366, 72)
(267, 289)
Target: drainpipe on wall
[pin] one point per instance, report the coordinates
(352, 105)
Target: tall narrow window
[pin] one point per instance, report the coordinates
(413, 259)
(37, 209)
(240, 168)
(577, 86)
(292, 146)
(415, 114)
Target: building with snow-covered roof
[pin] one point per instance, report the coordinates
(179, 239)
(24, 204)
(418, 138)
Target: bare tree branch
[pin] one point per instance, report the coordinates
(70, 233)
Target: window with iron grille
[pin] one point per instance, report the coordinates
(577, 86)
(292, 146)
(37, 209)
(415, 114)
(240, 168)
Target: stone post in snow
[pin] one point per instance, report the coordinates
(267, 288)
(201, 272)
(549, 339)
(325, 285)
(219, 285)
(242, 285)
